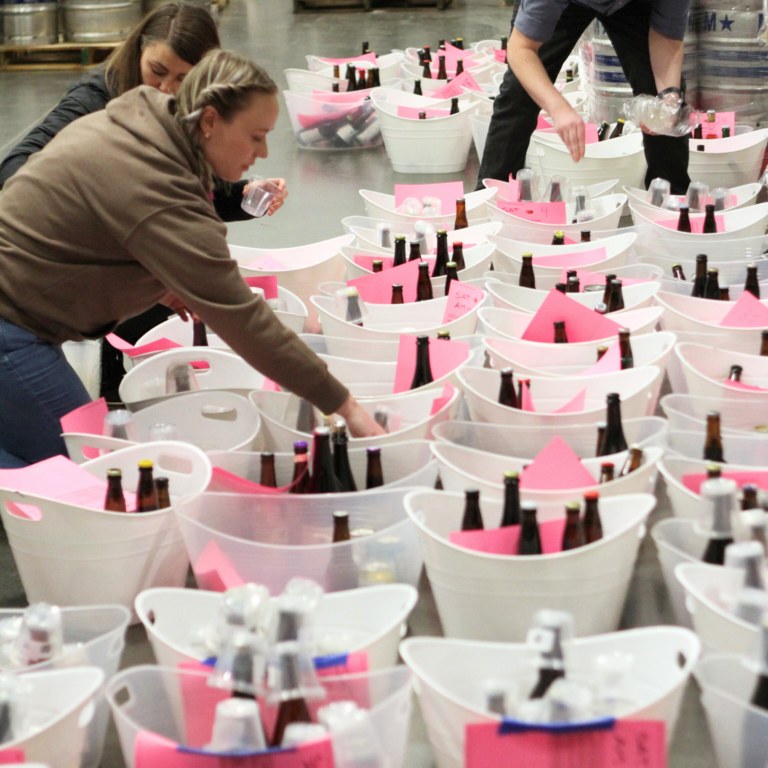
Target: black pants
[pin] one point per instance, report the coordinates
(515, 112)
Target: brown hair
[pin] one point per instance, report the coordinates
(225, 81)
(188, 30)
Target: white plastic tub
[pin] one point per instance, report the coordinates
(479, 125)
(728, 162)
(449, 674)
(389, 64)
(689, 412)
(72, 555)
(745, 195)
(364, 350)
(270, 539)
(373, 619)
(546, 282)
(147, 698)
(595, 190)
(738, 448)
(494, 597)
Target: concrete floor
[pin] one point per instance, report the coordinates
(323, 189)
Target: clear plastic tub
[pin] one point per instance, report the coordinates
(270, 539)
(549, 281)
(213, 420)
(738, 448)
(72, 555)
(146, 698)
(719, 630)
(745, 195)
(690, 413)
(594, 190)
(372, 619)
(494, 597)
(728, 162)
(449, 671)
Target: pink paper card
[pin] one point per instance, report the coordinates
(556, 468)
(315, 118)
(543, 213)
(440, 402)
(268, 264)
(500, 56)
(365, 57)
(413, 112)
(154, 751)
(575, 404)
(214, 571)
(348, 97)
(542, 124)
(456, 87)
(447, 192)
(746, 312)
(571, 260)
(161, 345)
(267, 283)
(88, 419)
(444, 357)
(462, 298)
(10, 756)
(595, 278)
(376, 288)
(748, 477)
(610, 362)
(504, 541)
(742, 385)
(581, 323)
(722, 119)
(199, 700)
(513, 189)
(608, 744)
(342, 664)
(452, 56)
(697, 223)
(527, 400)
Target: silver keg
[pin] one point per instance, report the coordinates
(29, 23)
(99, 21)
(150, 5)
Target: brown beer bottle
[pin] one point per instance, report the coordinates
(417, 87)
(527, 276)
(764, 343)
(451, 273)
(586, 237)
(530, 539)
(614, 441)
(562, 287)
(422, 115)
(335, 88)
(684, 222)
(606, 472)
(697, 132)
(426, 73)
(378, 265)
(268, 478)
(751, 284)
(361, 80)
(725, 293)
(428, 53)
(300, 468)
(341, 467)
(423, 373)
(365, 48)
(473, 519)
(718, 494)
(400, 258)
(677, 272)
(618, 130)
(503, 43)
(700, 279)
(714, 471)
(600, 352)
(600, 436)
(351, 78)
(625, 349)
(633, 461)
(573, 533)
(710, 223)
(114, 500)
(342, 572)
(712, 286)
(374, 476)
(454, 106)
(457, 257)
(617, 296)
(560, 337)
(507, 389)
(415, 252)
(607, 292)
(713, 444)
(558, 238)
(293, 707)
(573, 285)
(735, 373)
(397, 294)
(749, 497)
(163, 496)
(424, 285)
(336, 73)
(461, 221)
(441, 258)
(602, 131)
(323, 477)
(441, 73)
(146, 495)
(199, 336)
(511, 514)
(593, 525)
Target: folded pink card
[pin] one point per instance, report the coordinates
(609, 744)
(697, 223)
(571, 260)
(462, 298)
(268, 264)
(575, 404)
(542, 213)
(214, 571)
(452, 55)
(348, 97)
(542, 124)
(744, 477)
(161, 345)
(742, 385)
(504, 541)
(371, 57)
(412, 113)
(376, 288)
(267, 283)
(722, 119)
(610, 362)
(440, 402)
(88, 419)
(11, 756)
(444, 357)
(456, 87)
(512, 190)
(447, 192)
(556, 468)
(527, 400)
(198, 701)
(595, 278)
(500, 56)
(581, 323)
(746, 312)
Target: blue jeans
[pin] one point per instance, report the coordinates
(37, 387)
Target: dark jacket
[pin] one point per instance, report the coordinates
(91, 94)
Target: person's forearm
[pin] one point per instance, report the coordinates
(529, 70)
(666, 60)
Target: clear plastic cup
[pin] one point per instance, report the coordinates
(671, 203)
(580, 199)
(258, 196)
(527, 186)
(720, 197)
(697, 196)
(300, 733)
(658, 190)
(180, 377)
(588, 214)
(237, 727)
(120, 424)
(411, 206)
(557, 190)
(41, 635)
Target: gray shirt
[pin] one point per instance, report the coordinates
(537, 19)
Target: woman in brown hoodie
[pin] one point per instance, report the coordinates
(115, 215)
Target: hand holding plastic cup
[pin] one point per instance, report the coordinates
(258, 196)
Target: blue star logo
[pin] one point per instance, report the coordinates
(726, 22)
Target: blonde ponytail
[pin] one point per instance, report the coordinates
(225, 81)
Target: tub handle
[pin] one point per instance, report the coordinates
(86, 715)
(690, 605)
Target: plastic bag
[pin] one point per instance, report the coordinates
(667, 116)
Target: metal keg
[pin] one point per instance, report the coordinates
(29, 23)
(99, 21)
(150, 5)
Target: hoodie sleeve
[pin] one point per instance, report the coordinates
(184, 247)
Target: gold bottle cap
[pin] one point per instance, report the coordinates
(621, 120)
(114, 473)
(573, 506)
(146, 464)
(512, 475)
(559, 234)
(451, 264)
